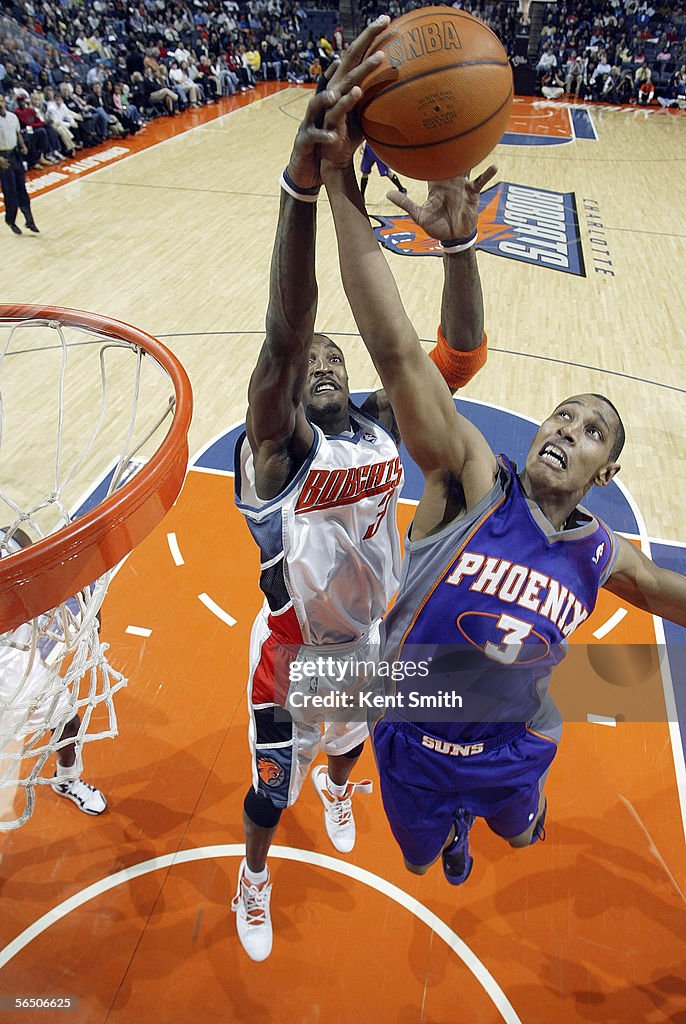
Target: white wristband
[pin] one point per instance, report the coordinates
(453, 245)
(305, 195)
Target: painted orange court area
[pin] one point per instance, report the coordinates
(586, 927)
(536, 119)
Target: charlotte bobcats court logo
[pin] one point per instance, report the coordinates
(531, 225)
(271, 773)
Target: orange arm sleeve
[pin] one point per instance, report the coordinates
(457, 368)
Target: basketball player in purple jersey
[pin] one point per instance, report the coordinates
(318, 482)
(369, 160)
(500, 568)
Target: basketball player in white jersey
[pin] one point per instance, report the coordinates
(33, 701)
(318, 481)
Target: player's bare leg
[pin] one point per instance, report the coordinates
(421, 869)
(254, 889)
(536, 830)
(257, 842)
(86, 797)
(66, 756)
(341, 766)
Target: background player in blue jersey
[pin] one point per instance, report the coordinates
(369, 160)
(329, 568)
(500, 568)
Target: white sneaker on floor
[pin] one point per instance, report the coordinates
(86, 797)
(253, 919)
(338, 811)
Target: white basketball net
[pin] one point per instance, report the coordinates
(55, 667)
(52, 669)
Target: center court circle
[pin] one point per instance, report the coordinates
(422, 913)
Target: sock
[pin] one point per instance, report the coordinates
(256, 877)
(335, 790)
(64, 773)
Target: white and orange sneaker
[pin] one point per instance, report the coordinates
(253, 919)
(338, 811)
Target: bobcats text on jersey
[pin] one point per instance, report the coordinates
(326, 488)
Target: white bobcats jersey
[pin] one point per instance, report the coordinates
(329, 544)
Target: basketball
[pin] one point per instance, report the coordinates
(440, 101)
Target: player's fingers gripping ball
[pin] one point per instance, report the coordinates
(440, 100)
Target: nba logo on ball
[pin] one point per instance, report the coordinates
(440, 101)
(426, 38)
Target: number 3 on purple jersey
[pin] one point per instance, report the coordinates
(502, 638)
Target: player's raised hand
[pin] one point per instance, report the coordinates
(326, 127)
(451, 207)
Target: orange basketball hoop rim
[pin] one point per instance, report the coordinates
(43, 575)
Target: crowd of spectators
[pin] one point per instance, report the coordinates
(617, 51)
(614, 51)
(78, 71)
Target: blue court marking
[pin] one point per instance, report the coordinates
(101, 489)
(583, 125)
(522, 139)
(94, 497)
(220, 454)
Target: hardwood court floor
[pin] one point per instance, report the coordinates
(586, 927)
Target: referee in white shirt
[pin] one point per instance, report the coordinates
(12, 151)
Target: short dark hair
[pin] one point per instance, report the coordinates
(620, 435)
(327, 341)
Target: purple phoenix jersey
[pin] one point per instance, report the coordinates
(486, 607)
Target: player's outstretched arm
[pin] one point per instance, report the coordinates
(278, 378)
(443, 444)
(278, 431)
(450, 214)
(638, 580)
